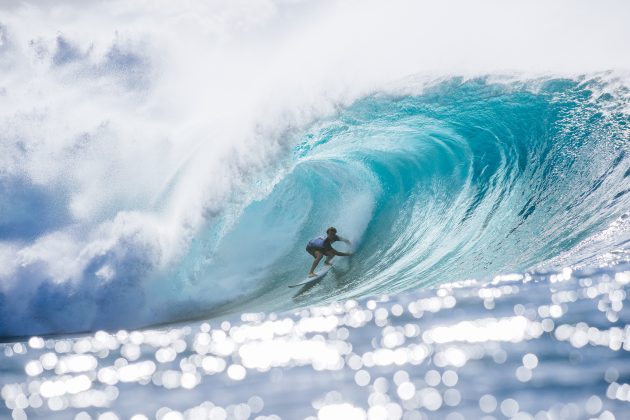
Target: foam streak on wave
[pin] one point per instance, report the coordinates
(141, 148)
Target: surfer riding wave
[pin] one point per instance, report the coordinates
(322, 245)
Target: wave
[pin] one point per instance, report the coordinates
(469, 179)
(129, 199)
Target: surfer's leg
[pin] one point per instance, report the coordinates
(318, 257)
(328, 259)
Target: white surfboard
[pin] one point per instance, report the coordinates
(318, 276)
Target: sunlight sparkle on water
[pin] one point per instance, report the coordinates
(400, 359)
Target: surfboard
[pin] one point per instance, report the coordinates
(318, 276)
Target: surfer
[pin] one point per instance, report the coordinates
(322, 245)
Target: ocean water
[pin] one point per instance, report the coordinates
(162, 169)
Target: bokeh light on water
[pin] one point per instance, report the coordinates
(546, 346)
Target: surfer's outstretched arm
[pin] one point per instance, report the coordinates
(332, 254)
(341, 254)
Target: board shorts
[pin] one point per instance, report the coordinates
(317, 244)
(311, 250)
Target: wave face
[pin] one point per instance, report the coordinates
(142, 182)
